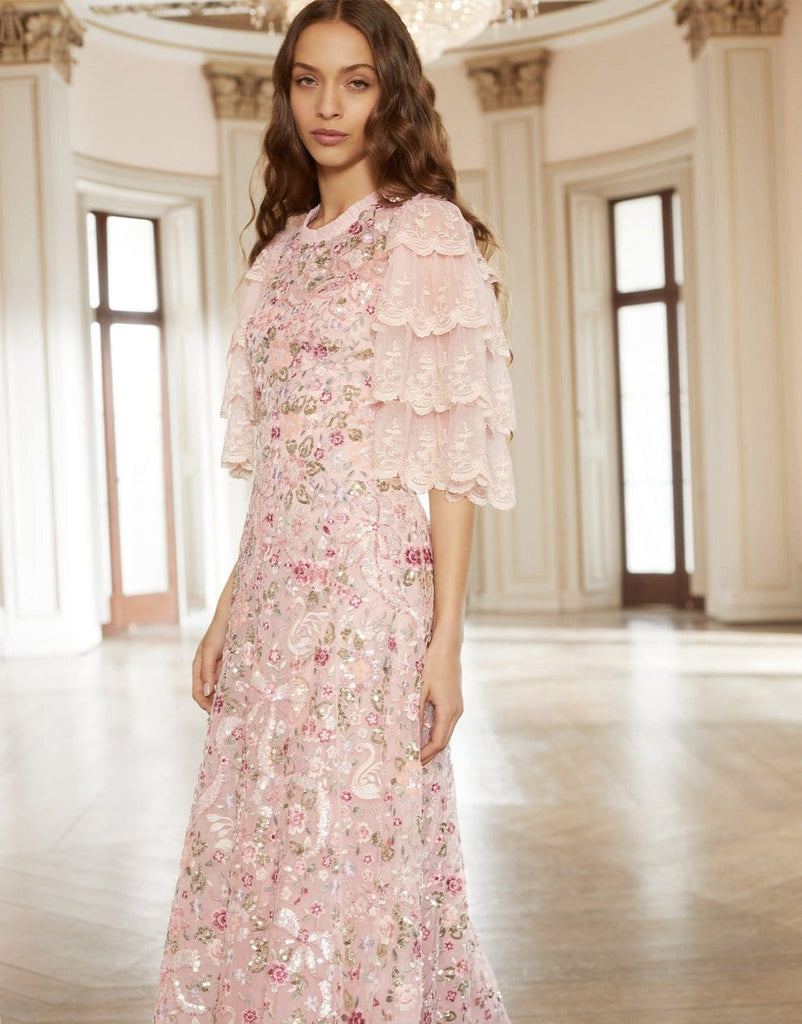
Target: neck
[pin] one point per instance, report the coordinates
(338, 191)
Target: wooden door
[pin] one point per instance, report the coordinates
(131, 375)
(654, 435)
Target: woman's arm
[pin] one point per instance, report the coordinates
(206, 663)
(452, 534)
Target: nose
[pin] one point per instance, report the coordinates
(329, 101)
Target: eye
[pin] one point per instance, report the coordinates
(302, 79)
(360, 84)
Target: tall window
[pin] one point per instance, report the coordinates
(129, 368)
(654, 436)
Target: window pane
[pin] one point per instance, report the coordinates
(132, 264)
(639, 262)
(91, 253)
(646, 434)
(685, 431)
(100, 464)
(650, 527)
(138, 432)
(676, 217)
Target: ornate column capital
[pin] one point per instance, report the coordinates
(707, 18)
(39, 32)
(241, 91)
(513, 79)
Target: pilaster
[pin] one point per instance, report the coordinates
(517, 549)
(47, 549)
(753, 528)
(728, 19)
(39, 32)
(242, 96)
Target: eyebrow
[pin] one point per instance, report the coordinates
(351, 67)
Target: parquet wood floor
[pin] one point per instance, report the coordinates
(630, 803)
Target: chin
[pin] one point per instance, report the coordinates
(339, 161)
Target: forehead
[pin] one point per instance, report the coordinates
(331, 46)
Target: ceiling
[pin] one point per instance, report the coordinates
(233, 14)
(212, 29)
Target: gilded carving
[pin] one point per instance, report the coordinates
(510, 80)
(39, 33)
(707, 18)
(241, 91)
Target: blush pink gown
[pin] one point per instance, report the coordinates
(322, 878)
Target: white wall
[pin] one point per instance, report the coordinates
(459, 106)
(142, 111)
(791, 86)
(618, 92)
(601, 97)
(612, 95)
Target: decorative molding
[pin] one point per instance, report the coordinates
(264, 15)
(510, 80)
(708, 18)
(39, 32)
(243, 92)
(641, 168)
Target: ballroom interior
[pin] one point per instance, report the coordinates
(627, 765)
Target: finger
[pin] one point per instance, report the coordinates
(424, 696)
(197, 685)
(199, 695)
(210, 665)
(443, 727)
(208, 683)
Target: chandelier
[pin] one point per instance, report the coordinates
(435, 25)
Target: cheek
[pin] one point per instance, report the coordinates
(367, 108)
(296, 106)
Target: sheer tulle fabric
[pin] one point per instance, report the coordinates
(239, 396)
(441, 362)
(239, 405)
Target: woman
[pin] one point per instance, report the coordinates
(322, 878)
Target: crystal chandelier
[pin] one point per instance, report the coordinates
(436, 25)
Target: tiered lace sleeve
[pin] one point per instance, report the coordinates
(440, 362)
(239, 404)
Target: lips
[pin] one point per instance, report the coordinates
(328, 135)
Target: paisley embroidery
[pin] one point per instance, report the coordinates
(367, 779)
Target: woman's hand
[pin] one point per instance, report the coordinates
(452, 525)
(206, 663)
(442, 685)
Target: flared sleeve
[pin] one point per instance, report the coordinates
(441, 356)
(239, 405)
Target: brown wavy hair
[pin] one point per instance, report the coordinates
(407, 145)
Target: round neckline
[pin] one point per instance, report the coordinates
(345, 220)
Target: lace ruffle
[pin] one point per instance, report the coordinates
(454, 451)
(239, 405)
(441, 362)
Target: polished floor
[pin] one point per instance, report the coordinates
(630, 797)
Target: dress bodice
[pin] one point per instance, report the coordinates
(310, 343)
(371, 349)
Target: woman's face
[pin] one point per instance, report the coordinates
(333, 91)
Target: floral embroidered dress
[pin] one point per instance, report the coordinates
(322, 878)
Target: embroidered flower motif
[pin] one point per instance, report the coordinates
(278, 973)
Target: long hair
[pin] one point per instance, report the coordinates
(407, 145)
